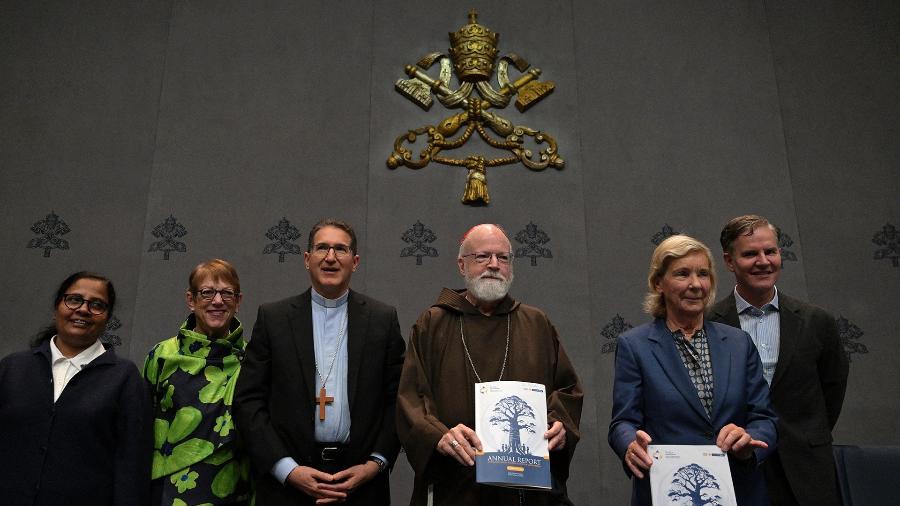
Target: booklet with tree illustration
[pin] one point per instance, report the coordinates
(510, 420)
(690, 475)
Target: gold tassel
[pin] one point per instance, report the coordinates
(476, 182)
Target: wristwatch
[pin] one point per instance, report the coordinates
(382, 465)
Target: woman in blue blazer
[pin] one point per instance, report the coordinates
(682, 380)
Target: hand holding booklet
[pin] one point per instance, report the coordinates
(690, 475)
(510, 420)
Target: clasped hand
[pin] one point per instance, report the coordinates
(463, 444)
(331, 488)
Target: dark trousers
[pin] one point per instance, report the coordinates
(777, 484)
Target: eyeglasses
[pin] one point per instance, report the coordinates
(208, 294)
(340, 250)
(74, 301)
(483, 258)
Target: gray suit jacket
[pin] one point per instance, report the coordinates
(807, 393)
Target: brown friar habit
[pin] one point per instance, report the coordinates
(437, 391)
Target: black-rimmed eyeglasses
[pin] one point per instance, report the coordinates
(74, 301)
(208, 294)
(483, 258)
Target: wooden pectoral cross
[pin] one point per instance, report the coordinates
(322, 400)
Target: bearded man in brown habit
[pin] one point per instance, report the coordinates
(475, 335)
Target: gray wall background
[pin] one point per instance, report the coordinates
(232, 115)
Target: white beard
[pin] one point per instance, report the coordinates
(487, 289)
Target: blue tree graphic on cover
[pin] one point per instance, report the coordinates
(694, 485)
(511, 415)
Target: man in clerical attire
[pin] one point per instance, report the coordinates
(315, 399)
(476, 335)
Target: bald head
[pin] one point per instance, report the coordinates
(485, 261)
(483, 235)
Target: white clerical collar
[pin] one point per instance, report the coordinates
(84, 358)
(326, 302)
(741, 304)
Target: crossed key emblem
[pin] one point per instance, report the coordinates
(471, 59)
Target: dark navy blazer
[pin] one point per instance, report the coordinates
(653, 392)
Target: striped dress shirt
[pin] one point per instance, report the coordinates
(763, 325)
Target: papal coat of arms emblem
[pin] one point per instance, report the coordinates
(473, 60)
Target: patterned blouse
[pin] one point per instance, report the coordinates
(695, 356)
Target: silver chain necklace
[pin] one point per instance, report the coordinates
(462, 336)
(333, 355)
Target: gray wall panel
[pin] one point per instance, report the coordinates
(838, 73)
(79, 90)
(230, 116)
(683, 111)
(261, 118)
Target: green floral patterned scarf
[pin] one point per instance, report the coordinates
(196, 454)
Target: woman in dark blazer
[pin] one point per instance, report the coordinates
(74, 417)
(685, 381)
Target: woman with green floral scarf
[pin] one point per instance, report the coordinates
(197, 457)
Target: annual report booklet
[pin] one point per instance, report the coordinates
(690, 474)
(510, 420)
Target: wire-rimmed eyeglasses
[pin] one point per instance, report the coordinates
(484, 257)
(340, 250)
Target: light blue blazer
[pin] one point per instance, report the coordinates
(654, 393)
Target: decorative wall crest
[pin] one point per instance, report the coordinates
(108, 337)
(168, 231)
(611, 331)
(282, 235)
(664, 233)
(50, 228)
(849, 333)
(785, 242)
(533, 239)
(887, 238)
(418, 237)
(472, 57)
